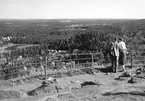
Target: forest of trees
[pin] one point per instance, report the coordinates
(91, 39)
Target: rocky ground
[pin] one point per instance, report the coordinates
(90, 85)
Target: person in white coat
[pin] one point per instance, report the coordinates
(122, 53)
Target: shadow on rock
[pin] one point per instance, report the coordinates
(120, 93)
(43, 89)
(106, 70)
(89, 83)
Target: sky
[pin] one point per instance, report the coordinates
(72, 9)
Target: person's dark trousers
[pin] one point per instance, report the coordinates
(115, 63)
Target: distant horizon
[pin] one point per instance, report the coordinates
(73, 19)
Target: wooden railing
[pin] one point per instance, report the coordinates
(52, 63)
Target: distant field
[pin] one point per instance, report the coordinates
(46, 28)
(9, 47)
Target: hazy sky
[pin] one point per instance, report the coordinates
(45, 9)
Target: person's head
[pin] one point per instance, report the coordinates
(115, 39)
(120, 39)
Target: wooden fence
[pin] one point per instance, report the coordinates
(52, 63)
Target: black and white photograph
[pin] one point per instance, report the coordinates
(72, 50)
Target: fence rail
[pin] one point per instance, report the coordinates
(52, 63)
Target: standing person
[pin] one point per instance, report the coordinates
(123, 52)
(115, 55)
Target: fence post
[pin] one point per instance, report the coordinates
(131, 60)
(45, 67)
(92, 59)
